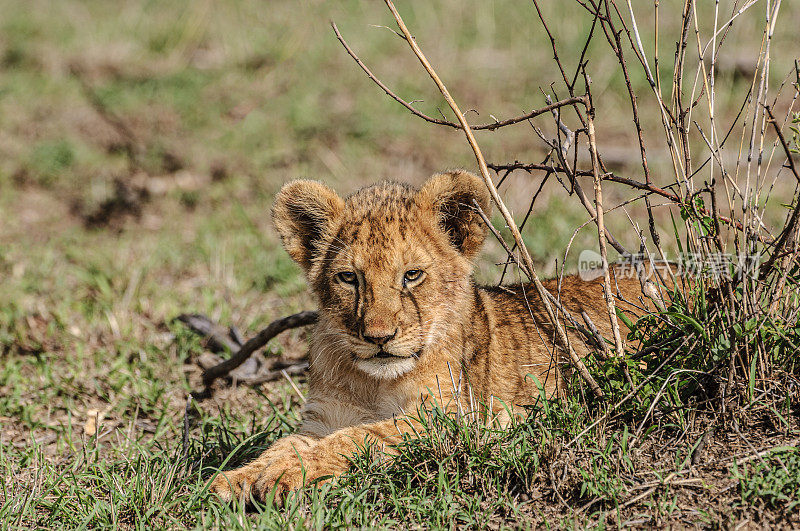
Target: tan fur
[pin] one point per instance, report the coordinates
(451, 341)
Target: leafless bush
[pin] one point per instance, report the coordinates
(736, 312)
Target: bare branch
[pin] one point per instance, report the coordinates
(485, 127)
(240, 356)
(601, 231)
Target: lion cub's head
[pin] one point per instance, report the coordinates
(390, 265)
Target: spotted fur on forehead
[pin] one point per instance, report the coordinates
(377, 215)
(388, 197)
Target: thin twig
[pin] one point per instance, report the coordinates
(294, 385)
(609, 176)
(601, 232)
(596, 333)
(793, 219)
(485, 127)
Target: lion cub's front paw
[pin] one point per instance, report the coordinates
(259, 481)
(234, 484)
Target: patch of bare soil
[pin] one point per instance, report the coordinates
(36, 213)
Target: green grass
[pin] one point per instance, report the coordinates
(773, 480)
(243, 97)
(463, 473)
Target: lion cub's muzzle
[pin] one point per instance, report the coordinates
(386, 351)
(379, 340)
(382, 342)
(385, 361)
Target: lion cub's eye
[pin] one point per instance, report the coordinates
(347, 277)
(412, 275)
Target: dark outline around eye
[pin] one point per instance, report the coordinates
(416, 274)
(347, 277)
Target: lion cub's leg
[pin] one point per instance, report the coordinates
(297, 460)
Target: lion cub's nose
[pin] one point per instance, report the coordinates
(380, 340)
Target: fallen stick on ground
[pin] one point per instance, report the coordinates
(251, 346)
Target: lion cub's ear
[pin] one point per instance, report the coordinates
(303, 214)
(451, 195)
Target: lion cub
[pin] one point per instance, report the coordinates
(400, 319)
